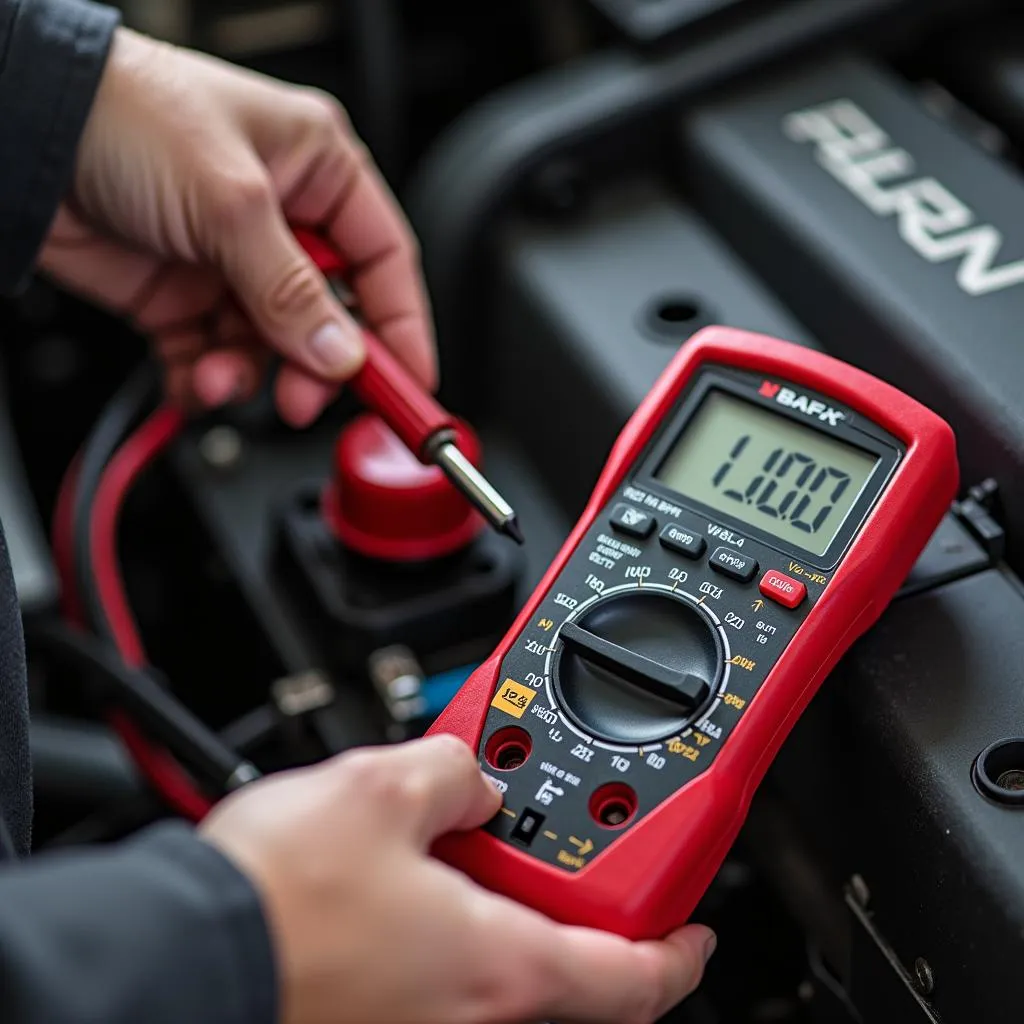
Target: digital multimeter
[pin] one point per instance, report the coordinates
(756, 515)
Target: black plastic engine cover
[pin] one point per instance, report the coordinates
(879, 773)
(893, 236)
(646, 23)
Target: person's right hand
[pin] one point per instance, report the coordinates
(369, 928)
(188, 176)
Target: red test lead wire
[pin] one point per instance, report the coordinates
(128, 462)
(156, 766)
(161, 770)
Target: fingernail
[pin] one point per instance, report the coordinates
(335, 347)
(710, 944)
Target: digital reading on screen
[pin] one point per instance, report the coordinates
(789, 480)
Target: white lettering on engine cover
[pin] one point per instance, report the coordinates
(930, 219)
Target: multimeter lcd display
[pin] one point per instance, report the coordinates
(793, 482)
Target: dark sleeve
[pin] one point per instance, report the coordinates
(161, 929)
(52, 54)
(15, 759)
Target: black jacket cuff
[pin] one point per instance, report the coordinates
(240, 960)
(52, 56)
(227, 943)
(162, 929)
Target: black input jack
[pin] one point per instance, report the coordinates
(508, 749)
(998, 772)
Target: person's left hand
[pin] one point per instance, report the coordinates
(368, 928)
(189, 172)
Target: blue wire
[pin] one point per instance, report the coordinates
(438, 690)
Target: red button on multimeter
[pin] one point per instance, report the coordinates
(789, 592)
(639, 698)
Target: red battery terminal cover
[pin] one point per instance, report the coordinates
(649, 880)
(383, 503)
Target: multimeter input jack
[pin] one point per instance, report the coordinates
(613, 805)
(999, 772)
(508, 749)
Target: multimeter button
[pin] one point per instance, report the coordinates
(788, 592)
(686, 542)
(730, 562)
(629, 519)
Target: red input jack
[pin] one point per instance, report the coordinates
(613, 805)
(508, 748)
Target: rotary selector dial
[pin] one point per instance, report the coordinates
(637, 667)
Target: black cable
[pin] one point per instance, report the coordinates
(138, 690)
(379, 58)
(128, 814)
(254, 727)
(152, 705)
(80, 761)
(128, 405)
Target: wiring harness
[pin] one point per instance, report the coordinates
(130, 434)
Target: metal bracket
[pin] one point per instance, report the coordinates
(880, 986)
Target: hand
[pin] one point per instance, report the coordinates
(188, 173)
(369, 929)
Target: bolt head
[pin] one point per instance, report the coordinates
(924, 979)
(221, 447)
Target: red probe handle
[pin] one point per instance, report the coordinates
(384, 384)
(387, 387)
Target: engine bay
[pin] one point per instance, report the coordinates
(844, 175)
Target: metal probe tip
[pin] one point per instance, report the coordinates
(245, 773)
(511, 528)
(478, 491)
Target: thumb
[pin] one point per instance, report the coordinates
(282, 291)
(435, 786)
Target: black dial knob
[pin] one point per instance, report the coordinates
(638, 667)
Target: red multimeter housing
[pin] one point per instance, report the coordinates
(755, 517)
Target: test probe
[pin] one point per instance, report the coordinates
(384, 385)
